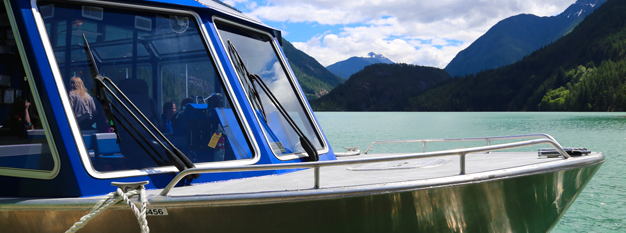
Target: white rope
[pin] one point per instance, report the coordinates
(352, 151)
(112, 199)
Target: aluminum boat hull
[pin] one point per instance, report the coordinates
(480, 202)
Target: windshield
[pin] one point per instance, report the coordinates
(260, 57)
(160, 62)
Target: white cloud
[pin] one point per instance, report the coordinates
(304, 13)
(403, 30)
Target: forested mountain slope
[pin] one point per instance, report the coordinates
(380, 87)
(583, 71)
(515, 37)
(313, 77)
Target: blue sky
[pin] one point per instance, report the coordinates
(422, 32)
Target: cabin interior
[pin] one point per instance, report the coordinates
(104, 59)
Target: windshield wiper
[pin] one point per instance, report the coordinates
(253, 94)
(176, 156)
(250, 79)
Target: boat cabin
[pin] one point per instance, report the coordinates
(98, 91)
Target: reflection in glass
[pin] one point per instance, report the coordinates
(260, 58)
(158, 61)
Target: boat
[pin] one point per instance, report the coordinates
(92, 139)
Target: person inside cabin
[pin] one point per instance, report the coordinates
(169, 110)
(77, 23)
(183, 104)
(28, 123)
(82, 104)
(19, 120)
(176, 118)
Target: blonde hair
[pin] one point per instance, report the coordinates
(79, 87)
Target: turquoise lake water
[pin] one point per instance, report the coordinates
(600, 208)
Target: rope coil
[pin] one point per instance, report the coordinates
(113, 198)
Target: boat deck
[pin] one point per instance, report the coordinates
(422, 172)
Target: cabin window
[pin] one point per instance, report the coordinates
(24, 147)
(261, 57)
(160, 62)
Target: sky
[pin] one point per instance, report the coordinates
(421, 32)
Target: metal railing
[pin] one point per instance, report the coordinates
(317, 165)
(487, 139)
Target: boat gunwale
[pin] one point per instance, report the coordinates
(267, 197)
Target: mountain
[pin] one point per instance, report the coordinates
(314, 78)
(585, 70)
(380, 87)
(513, 38)
(352, 65)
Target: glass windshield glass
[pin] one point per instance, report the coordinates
(160, 62)
(260, 57)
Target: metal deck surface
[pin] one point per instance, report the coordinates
(345, 176)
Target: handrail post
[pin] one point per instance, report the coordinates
(488, 144)
(316, 174)
(462, 157)
(370, 147)
(424, 147)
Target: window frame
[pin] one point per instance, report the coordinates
(22, 172)
(212, 54)
(290, 77)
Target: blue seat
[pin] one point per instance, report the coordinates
(106, 144)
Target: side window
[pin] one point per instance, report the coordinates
(24, 148)
(159, 61)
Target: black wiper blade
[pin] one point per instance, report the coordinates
(176, 156)
(250, 88)
(252, 78)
